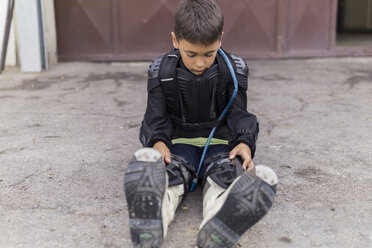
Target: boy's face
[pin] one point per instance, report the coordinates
(196, 57)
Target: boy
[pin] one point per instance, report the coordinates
(188, 89)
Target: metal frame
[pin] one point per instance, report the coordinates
(8, 22)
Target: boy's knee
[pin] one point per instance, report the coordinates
(179, 171)
(222, 170)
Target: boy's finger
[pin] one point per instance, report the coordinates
(245, 165)
(250, 165)
(164, 158)
(232, 154)
(167, 157)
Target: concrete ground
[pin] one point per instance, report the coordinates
(67, 134)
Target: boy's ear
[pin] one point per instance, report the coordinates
(174, 40)
(221, 38)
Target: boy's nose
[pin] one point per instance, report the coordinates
(200, 64)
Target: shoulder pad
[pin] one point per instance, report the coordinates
(153, 71)
(241, 66)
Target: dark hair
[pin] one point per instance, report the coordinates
(198, 21)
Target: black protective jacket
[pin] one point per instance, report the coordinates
(183, 105)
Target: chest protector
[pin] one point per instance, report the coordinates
(195, 102)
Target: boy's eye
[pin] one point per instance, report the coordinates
(208, 55)
(191, 55)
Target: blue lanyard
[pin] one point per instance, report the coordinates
(232, 72)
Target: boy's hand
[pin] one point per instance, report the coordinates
(245, 153)
(164, 151)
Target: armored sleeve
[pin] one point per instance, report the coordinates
(156, 125)
(244, 124)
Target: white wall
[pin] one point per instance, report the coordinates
(11, 58)
(29, 38)
(50, 31)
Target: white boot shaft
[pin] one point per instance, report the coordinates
(172, 198)
(213, 198)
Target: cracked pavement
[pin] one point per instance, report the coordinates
(67, 134)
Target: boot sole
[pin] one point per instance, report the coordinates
(248, 201)
(144, 185)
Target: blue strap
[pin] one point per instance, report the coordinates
(232, 72)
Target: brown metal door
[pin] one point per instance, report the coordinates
(137, 30)
(309, 25)
(84, 29)
(280, 28)
(113, 29)
(250, 27)
(132, 30)
(145, 28)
